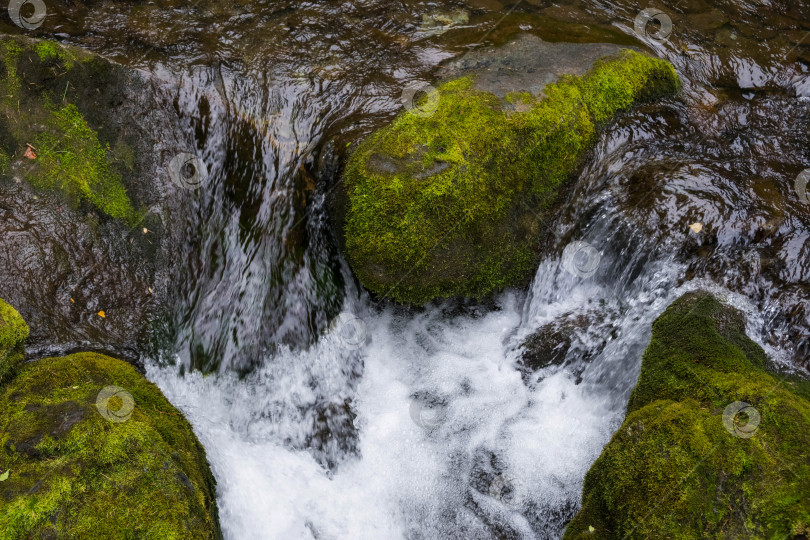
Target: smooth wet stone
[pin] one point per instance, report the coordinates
(527, 63)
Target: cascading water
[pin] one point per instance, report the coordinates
(446, 439)
(401, 424)
(392, 423)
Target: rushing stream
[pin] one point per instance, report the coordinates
(423, 424)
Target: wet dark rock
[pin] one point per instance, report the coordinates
(332, 436)
(734, 171)
(551, 344)
(68, 253)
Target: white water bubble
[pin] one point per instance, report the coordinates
(411, 98)
(509, 490)
(106, 403)
(741, 419)
(581, 259)
(188, 171)
(351, 331)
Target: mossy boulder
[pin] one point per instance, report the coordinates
(91, 449)
(713, 445)
(13, 333)
(85, 462)
(449, 199)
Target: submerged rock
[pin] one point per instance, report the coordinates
(449, 200)
(90, 449)
(713, 446)
(560, 343)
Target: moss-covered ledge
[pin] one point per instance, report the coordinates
(447, 203)
(13, 333)
(45, 138)
(713, 446)
(90, 449)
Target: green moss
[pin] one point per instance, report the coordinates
(450, 204)
(673, 470)
(13, 333)
(10, 51)
(47, 50)
(70, 156)
(76, 474)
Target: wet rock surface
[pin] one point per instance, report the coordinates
(84, 279)
(527, 63)
(560, 344)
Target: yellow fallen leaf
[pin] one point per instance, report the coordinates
(696, 227)
(145, 230)
(102, 314)
(4, 476)
(150, 290)
(72, 301)
(590, 528)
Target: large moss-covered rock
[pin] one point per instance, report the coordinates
(85, 464)
(91, 449)
(448, 199)
(13, 333)
(713, 445)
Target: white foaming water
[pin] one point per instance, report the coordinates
(451, 442)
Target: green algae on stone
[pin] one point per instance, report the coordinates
(76, 474)
(33, 111)
(450, 203)
(13, 333)
(678, 467)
